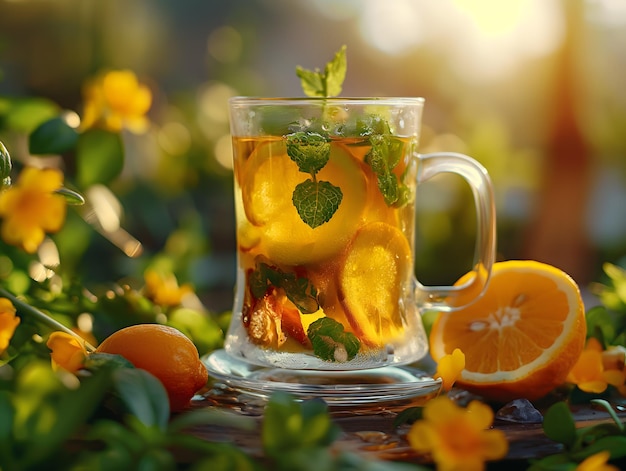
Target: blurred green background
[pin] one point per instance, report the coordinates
(533, 89)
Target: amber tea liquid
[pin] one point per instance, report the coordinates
(356, 268)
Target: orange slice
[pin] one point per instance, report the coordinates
(371, 281)
(521, 338)
(269, 180)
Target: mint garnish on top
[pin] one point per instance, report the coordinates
(328, 83)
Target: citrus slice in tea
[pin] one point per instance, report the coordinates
(270, 177)
(377, 265)
(521, 338)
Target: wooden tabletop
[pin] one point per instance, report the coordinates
(372, 431)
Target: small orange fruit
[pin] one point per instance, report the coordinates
(166, 353)
(521, 338)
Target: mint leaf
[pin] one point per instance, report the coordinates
(372, 124)
(328, 83)
(331, 342)
(299, 290)
(383, 157)
(310, 151)
(316, 201)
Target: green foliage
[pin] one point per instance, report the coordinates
(580, 443)
(331, 342)
(54, 136)
(99, 157)
(328, 83)
(299, 290)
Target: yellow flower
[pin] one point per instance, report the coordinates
(597, 462)
(458, 439)
(163, 288)
(590, 373)
(449, 368)
(68, 352)
(8, 323)
(31, 208)
(116, 100)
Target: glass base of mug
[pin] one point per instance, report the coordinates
(381, 387)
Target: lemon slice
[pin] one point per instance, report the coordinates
(377, 267)
(269, 180)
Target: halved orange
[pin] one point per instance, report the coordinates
(521, 338)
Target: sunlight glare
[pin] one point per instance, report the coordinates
(392, 30)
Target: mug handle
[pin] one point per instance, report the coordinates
(429, 165)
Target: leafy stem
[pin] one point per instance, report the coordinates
(43, 318)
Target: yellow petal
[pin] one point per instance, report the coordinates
(450, 367)
(68, 352)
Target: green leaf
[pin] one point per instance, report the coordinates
(218, 417)
(99, 157)
(73, 410)
(310, 151)
(7, 414)
(299, 290)
(615, 444)
(331, 342)
(54, 136)
(5, 163)
(328, 83)
(335, 73)
(144, 395)
(383, 157)
(408, 416)
(97, 361)
(559, 425)
(25, 114)
(71, 196)
(316, 201)
(290, 426)
(600, 325)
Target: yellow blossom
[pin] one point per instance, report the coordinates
(458, 439)
(68, 352)
(30, 208)
(590, 373)
(116, 100)
(449, 368)
(8, 323)
(597, 462)
(163, 289)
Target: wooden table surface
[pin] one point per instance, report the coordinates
(372, 431)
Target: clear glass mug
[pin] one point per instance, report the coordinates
(325, 194)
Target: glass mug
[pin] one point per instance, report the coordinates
(325, 211)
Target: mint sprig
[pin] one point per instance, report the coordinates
(328, 83)
(331, 342)
(383, 157)
(316, 201)
(299, 290)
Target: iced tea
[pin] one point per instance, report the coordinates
(331, 285)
